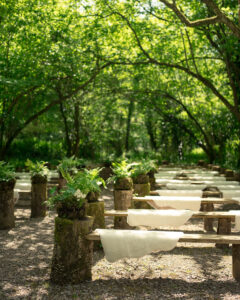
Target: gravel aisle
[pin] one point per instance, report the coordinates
(187, 272)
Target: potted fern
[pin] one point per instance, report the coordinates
(123, 190)
(141, 183)
(71, 249)
(39, 173)
(151, 173)
(7, 183)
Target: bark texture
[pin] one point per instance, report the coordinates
(7, 219)
(122, 201)
(72, 253)
(39, 196)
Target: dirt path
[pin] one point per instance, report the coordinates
(187, 272)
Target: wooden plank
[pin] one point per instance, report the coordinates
(200, 214)
(203, 200)
(191, 238)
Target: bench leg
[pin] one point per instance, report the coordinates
(236, 262)
(208, 223)
(224, 227)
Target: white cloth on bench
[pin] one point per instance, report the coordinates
(180, 193)
(189, 186)
(191, 203)
(230, 194)
(156, 218)
(237, 218)
(119, 244)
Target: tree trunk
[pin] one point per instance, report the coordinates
(39, 196)
(122, 201)
(7, 219)
(130, 112)
(72, 253)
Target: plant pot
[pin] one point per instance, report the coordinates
(92, 197)
(7, 219)
(141, 179)
(69, 210)
(124, 183)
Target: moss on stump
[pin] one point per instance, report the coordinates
(96, 210)
(141, 190)
(7, 219)
(72, 253)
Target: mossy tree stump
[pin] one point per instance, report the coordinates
(216, 168)
(229, 173)
(224, 227)
(7, 219)
(201, 163)
(123, 194)
(96, 210)
(209, 192)
(39, 196)
(141, 187)
(72, 253)
(152, 180)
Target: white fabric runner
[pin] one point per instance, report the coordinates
(119, 244)
(189, 186)
(156, 218)
(180, 193)
(237, 218)
(230, 194)
(191, 203)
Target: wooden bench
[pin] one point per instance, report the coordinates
(203, 200)
(200, 214)
(204, 238)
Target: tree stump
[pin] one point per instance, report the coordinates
(7, 219)
(216, 168)
(152, 180)
(141, 189)
(122, 201)
(236, 262)
(229, 173)
(39, 196)
(201, 163)
(224, 227)
(72, 253)
(208, 223)
(96, 210)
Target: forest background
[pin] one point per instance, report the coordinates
(101, 79)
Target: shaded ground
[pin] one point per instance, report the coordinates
(190, 271)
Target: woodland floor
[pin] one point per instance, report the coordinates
(190, 271)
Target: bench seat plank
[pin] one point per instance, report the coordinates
(203, 200)
(199, 214)
(191, 238)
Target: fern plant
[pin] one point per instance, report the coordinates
(69, 165)
(6, 171)
(77, 187)
(120, 170)
(39, 168)
(143, 167)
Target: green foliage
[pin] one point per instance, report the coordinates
(6, 171)
(77, 188)
(69, 164)
(38, 168)
(120, 169)
(143, 167)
